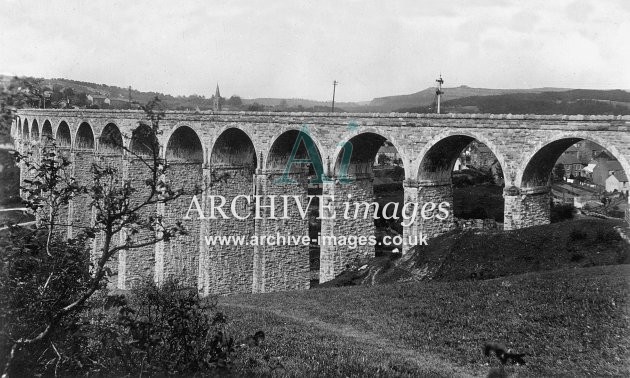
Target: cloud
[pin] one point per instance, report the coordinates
(295, 49)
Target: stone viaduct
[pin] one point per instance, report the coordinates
(244, 152)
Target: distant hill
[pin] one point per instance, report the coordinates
(426, 97)
(575, 101)
(61, 87)
(292, 102)
(462, 99)
(114, 92)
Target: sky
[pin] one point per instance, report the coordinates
(296, 48)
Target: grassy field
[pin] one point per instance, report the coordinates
(571, 322)
(559, 293)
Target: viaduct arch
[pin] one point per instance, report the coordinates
(246, 153)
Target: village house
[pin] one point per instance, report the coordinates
(98, 100)
(605, 165)
(617, 181)
(573, 162)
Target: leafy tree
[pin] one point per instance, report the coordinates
(383, 159)
(20, 93)
(283, 104)
(80, 100)
(235, 101)
(68, 92)
(120, 208)
(256, 107)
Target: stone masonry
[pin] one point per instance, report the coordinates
(234, 153)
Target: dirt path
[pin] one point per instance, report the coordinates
(425, 361)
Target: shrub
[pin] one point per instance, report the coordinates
(562, 212)
(171, 330)
(577, 257)
(607, 235)
(578, 234)
(34, 285)
(158, 331)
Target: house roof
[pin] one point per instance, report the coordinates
(615, 166)
(604, 155)
(569, 159)
(621, 176)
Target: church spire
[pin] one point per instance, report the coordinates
(217, 99)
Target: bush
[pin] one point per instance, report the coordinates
(607, 235)
(157, 331)
(33, 286)
(562, 212)
(171, 330)
(578, 234)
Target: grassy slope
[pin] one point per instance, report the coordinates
(572, 317)
(489, 255)
(462, 256)
(572, 321)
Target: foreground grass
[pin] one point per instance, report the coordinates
(571, 322)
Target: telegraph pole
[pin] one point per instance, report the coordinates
(439, 92)
(335, 82)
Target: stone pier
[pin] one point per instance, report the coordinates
(233, 154)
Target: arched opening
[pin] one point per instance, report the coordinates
(367, 183)
(63, 139)
(233, 160)
(293, 168)
(295, 155)
(35, 150)
(47, 133)
(85, 137)
(83, 160)
(144, 142)
(465, 173)
(184, 146)
(233, 149)
(111, 141)
(25, 132)
(144, 146)
(184, 156)
(16, 128)
(576, 173)
(63, 136)
(110, 154)
(35, 131)
(375, 174)
(389, 175)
